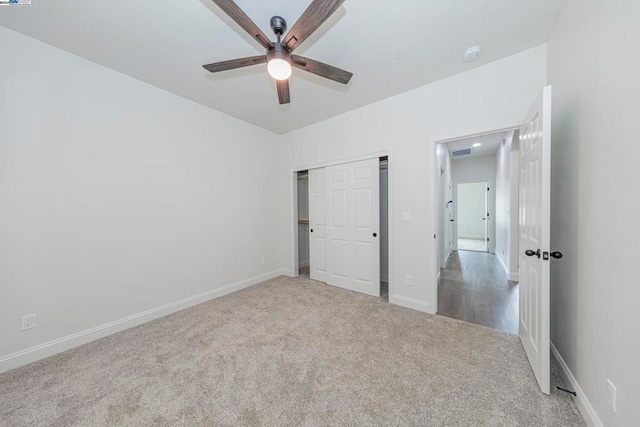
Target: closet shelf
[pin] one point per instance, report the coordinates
(303, 221)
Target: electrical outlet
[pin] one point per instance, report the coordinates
(408, 280)
(612, 396)
(261, 261)
(28, 322)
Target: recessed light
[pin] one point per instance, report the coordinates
(400, 54)
(472, 53)
(477, 144)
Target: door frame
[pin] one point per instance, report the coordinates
(293, 191)
(433, 183)
(488, 201)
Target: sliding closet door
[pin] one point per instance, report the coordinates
(317, 225)
(353, 220)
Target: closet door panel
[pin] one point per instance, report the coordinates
(353, 199)
(317, 225)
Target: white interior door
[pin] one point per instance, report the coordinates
(535, 159)
(353, 221)
(318, 225)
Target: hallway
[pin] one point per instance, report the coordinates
(473, 287)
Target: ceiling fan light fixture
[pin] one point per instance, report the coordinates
(279, 63)
(279, 69)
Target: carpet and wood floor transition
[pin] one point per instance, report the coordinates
(288, 352)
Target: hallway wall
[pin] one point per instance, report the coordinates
(445, 209)
(507, 204)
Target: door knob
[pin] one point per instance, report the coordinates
(375, 235)
(556, 255)
(311, 230)
(529, 252)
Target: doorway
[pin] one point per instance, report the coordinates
(477, 197)
(473, 216)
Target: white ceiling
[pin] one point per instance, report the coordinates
(166, 42)
(489, 145)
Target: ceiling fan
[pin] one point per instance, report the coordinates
(278, 57)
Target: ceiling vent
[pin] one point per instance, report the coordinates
(459, 153)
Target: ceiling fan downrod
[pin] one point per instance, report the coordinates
(279, 26)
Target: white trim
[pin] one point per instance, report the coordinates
(368, 156)
(413, 303)
(32, 354)
(432, 179)
(582, 403)
(510, 275)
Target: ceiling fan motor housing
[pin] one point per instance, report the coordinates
(278, 25)
(278, 51)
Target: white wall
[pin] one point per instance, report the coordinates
(507, 204)
(117, 197)
(493, 95)
(595, 75)
(472, 170)
(471, 204)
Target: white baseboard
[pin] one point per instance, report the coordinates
(582, 403)
(474, 237)
(288, 272)
(29, 355)
(514, 277)
(413, 303)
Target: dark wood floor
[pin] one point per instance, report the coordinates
(474, 288)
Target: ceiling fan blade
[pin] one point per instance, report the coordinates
(241, 18)
(283, 91)
(317, 12)
(321, 69)
(235, 63)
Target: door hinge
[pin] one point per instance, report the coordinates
(487, 239)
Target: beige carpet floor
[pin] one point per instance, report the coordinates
(288, 352)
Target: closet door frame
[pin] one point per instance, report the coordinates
(293, 271)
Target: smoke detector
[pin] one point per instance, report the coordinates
(472, 53)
